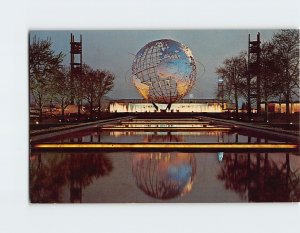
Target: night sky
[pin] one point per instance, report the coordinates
(115, 50)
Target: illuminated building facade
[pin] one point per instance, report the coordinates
(186, 105)
(277, 107)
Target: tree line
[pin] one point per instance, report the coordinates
(278, 72)
(51, 82)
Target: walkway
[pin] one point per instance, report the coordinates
(281, 133)
(37, 135)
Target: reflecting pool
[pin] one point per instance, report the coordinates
(164, 177)
(170, 176)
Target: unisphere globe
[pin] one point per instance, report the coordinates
(164, 71)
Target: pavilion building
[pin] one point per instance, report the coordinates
(185, 105)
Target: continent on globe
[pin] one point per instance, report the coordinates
(164, 71)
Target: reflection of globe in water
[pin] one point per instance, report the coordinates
(164, 175)
(164, 71)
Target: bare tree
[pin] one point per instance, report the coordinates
(90, 78)
(269, 74)
(43, 64)
(233, 72)
(104, 84)
(286, 58)
(61, 87)
(97, 83)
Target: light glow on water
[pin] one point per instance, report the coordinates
(96, 165)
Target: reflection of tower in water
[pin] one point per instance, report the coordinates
(83, 170)
(164, 175)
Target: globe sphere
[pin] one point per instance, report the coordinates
(164, 71)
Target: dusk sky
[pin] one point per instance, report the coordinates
(113, 51)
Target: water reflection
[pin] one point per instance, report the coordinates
(255, 177)
(164, 175)
(95, 135)
(261, 177)
(220, 156)
(52, 176)
(163, 137)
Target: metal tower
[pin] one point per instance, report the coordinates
(75, 63)
(254, 71)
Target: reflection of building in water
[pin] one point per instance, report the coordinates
(164, 175)
(190, 105)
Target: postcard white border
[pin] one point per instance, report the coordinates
(18, 17)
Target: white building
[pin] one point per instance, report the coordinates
(190, 105)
